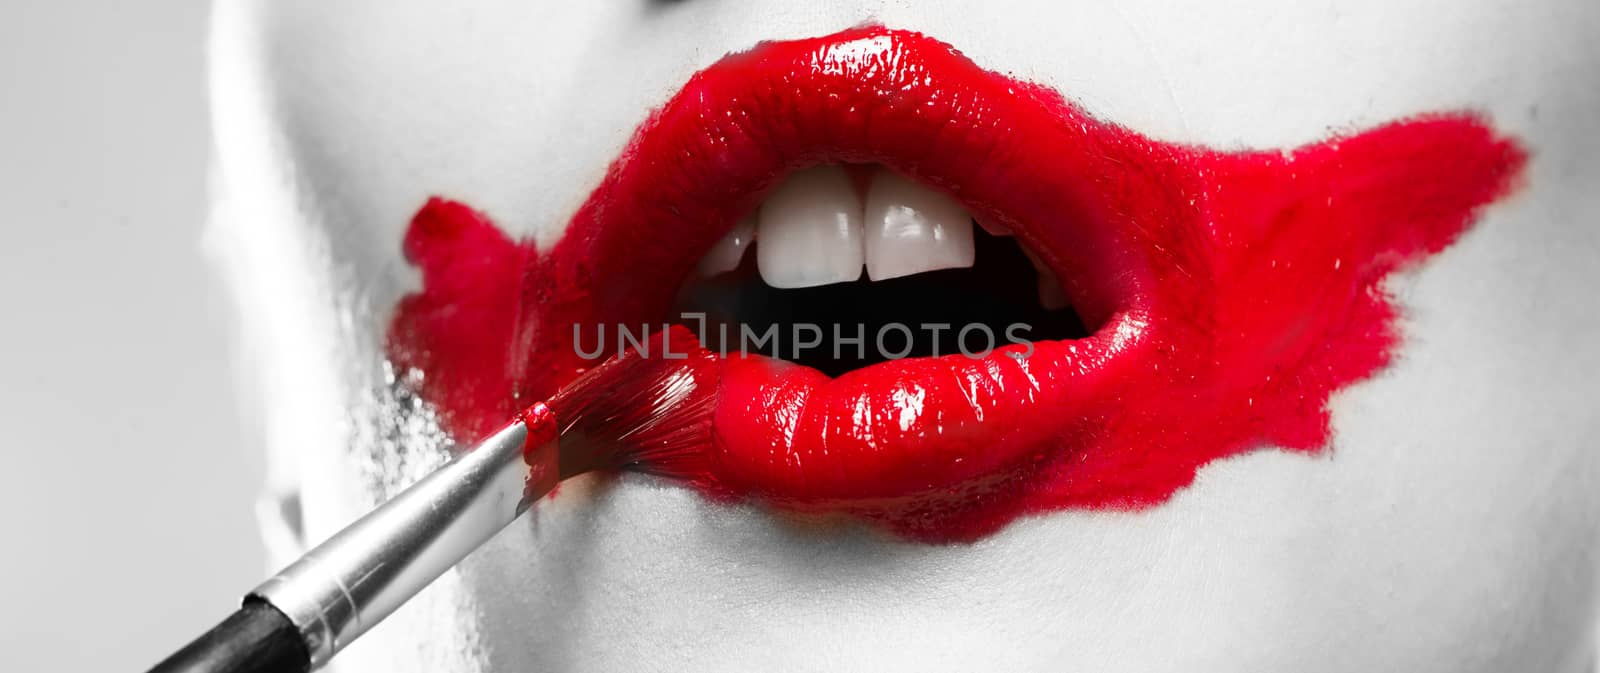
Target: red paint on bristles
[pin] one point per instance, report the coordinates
(646, 410)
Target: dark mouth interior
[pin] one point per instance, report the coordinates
(999, 292)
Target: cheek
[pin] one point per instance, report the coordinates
(1466, 457)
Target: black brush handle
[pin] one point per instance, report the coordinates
(256, 638)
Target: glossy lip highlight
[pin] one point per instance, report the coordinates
(1235, 291)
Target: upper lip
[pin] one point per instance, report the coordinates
(1015, 154)
(952, 446)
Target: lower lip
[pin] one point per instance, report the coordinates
(1237, 291)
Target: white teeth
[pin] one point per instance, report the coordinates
(815, 230)
(810, 230)
(911, 228)
(725, 255)
(1051, 296)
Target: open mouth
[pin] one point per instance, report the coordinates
(1181, 304)
(856, 265)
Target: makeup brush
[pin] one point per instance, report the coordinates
(648, 409)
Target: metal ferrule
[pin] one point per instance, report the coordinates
(359, 576)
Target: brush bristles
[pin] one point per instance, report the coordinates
(646, 410)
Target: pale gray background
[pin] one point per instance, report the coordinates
(127, 492)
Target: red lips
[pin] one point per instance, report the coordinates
(1236, 291)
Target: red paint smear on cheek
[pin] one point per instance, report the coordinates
(1273, 297)
(1260, 296)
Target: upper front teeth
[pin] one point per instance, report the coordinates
(911, 229)
(815, 230)
(810, 230)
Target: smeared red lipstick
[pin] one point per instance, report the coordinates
(1234, 292)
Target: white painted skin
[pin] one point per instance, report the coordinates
(1452, 528)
